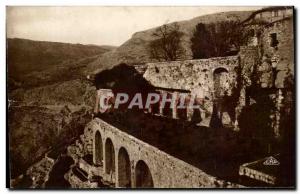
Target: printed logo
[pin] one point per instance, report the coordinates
(271, 161)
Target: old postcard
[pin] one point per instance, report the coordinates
(150, 97)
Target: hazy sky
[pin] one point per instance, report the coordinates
(96, 25)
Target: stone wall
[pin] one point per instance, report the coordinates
(270, 15)
(166, 171)
(207, 74)
(281, 55)
(188, 74)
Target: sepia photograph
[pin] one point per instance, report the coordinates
(150, 97)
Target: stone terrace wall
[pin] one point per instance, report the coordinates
(189, 73)
(166, 171)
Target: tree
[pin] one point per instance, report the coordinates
(166, 45)
(217, 39)
(201, 42)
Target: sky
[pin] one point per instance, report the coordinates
(96, 25)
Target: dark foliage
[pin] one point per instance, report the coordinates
(217, 39)
(124, 78)
(287, 129)
(167, 43)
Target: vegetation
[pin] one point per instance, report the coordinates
(167, 43)
(217, 39)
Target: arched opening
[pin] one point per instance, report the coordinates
(98, 149)
(109, 157)
(221, 82)
(124, 172)
(220, 98)
(143, 177)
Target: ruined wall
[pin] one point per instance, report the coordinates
(166, 171)
(285, 36)
(249, 59)
(191, 74)
(281, 55)
(274, 14)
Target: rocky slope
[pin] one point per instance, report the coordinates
(35, 130)
(50, 100)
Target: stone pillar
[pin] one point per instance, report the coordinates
(161, 110)
(239, 107)
(104, 159)
(117, 168)
(132, 164)
(174, 108)
(189, 111)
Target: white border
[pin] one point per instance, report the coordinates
(4, 3)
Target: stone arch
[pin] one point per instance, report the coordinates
(124, 169)
(219, 70)
(98, 149)
(109, 157)
(143, 177)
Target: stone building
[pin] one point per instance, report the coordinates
(273, 29)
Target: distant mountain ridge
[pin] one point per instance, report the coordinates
(36, 63)
(25, 56)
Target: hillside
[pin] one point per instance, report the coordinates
(135, 51)
(44, 79)
(27, 56)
